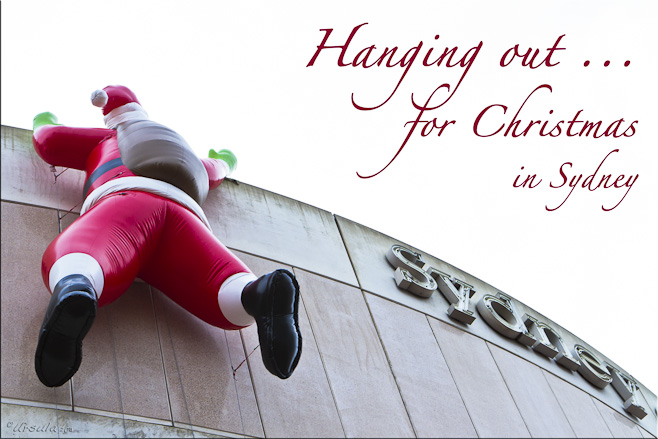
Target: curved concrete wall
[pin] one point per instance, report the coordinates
(378, 360)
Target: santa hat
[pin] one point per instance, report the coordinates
(119, 104)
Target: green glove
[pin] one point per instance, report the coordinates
(42, 119)
(225, 155)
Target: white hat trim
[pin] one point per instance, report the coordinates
(129, 111)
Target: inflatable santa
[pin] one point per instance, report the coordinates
(141, 217)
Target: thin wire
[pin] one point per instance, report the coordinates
(61, 217)
(245, 359)
(235, 382)
(59, 226)
(67, 212)
(55, 175)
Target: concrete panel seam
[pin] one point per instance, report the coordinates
(45, 405)
(140, 419)
(220, 433)
(69, 384)
(59, 212)
(417, 249)
(543, 373)
(591, 398)
(115, 415)
(35, 206)
(651, 412)
(4, 200)
(235, 383)
(507, 387)
(450, 323)
(180, 379)
(56, 405)
(347, 251)
(324, 367)
(390, 364)
(116, 371)
(293, 265)
(604, 417)
(594, 398)
(70, 387)
(164, 369)
(253, 384)
(427, 317)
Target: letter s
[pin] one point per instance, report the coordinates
(564, 177)
(408, 272)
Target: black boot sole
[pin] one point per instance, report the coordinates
(276, 323)
(59, 350)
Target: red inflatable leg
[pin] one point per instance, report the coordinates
(190, 265)
(134, 234)
(117, 233)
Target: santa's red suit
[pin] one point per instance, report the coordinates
(133, 226)
(141, 217)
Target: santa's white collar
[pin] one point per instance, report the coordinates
(129, 111)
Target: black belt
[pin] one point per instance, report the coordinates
(108, 166)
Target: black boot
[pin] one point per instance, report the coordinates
(69, 316)
(273, 300)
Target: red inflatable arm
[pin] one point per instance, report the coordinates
(216, 170)
(59, 145)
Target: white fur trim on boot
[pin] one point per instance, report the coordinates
(77, 263)
(230, 299)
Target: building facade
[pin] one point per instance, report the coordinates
(397, 343)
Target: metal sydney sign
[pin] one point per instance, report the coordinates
(500, 313)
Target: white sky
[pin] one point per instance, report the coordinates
(233, 75)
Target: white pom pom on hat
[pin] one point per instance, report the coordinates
(99, 98)
(119, 104)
